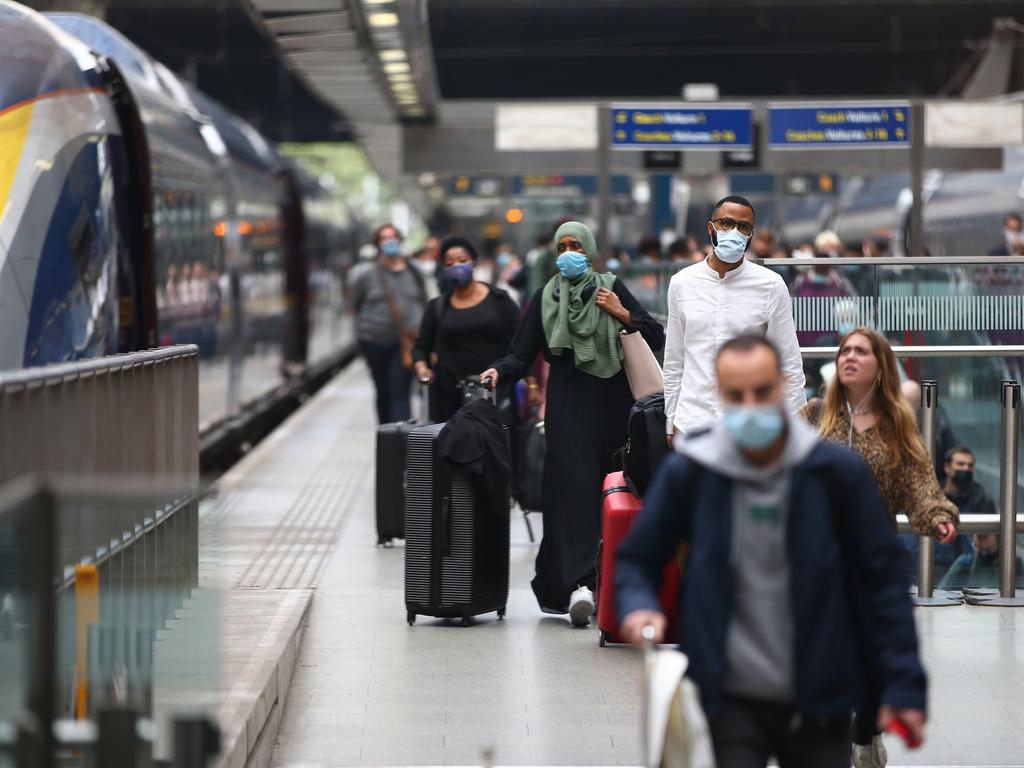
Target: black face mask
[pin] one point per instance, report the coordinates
(963, 478)
(988, 558)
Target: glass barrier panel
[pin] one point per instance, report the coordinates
(16, 630)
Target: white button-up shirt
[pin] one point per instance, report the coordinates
(704, 312)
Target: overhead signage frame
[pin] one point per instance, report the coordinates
(692, 127)
(839, 125)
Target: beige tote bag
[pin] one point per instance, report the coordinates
(641, 365)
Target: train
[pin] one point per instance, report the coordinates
(963, 211)
(138, 212)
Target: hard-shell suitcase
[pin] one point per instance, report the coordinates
(456, 540)
(620, 507)
(390, 496)
(391, 450)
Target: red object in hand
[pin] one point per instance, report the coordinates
(901, 730)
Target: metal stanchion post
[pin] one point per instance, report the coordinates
(196, 741)
(926, 595)
(1009, 596)
(117, 744)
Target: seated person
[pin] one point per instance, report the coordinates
(970, 498)
(980, 569)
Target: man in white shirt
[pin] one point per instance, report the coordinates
(715, 300)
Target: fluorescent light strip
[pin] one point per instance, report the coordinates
(383, 19)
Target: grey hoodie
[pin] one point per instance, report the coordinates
(760, 644)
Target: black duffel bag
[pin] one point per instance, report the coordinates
(646, 443)
(532, 445)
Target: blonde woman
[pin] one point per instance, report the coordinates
(864, 409)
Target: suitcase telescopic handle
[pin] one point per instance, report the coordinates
(446, 526)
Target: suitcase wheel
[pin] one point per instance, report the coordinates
(501, 613)
(466, 620)
(410, 617)
(603, 641)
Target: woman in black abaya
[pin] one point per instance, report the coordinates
(575, 320)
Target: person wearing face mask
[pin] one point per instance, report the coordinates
(714, 300)
(575, 320)
(1013, 237)
(770, 524)
(970, 498)
(462, 330)
(388, 297)
(424, 261)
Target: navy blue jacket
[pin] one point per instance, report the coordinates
(856, 645)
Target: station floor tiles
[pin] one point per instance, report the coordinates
(368, 689)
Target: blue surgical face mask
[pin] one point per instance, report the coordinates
(459, 275)
(754, 426)
(730, 245)
(572, 264)
(503, 260)
(391, 247)
(614, 265)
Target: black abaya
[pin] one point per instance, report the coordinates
(585, 424)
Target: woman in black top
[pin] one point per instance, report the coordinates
(462, 331)
(574, 320)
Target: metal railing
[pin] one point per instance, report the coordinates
(118, 552)
(41, 731)
(130, 414)
(1006, 523)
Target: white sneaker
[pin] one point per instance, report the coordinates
(581, 606)
(871, 755)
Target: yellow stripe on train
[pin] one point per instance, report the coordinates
(14, 124)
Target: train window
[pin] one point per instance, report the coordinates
(80, 243)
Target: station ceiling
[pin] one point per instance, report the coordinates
(513, 49)
(561, 49)
(223, 47)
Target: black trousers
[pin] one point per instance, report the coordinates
(390, 379)
(746, 733)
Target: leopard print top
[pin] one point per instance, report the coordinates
(909, 487)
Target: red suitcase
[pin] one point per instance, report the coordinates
(617, 513)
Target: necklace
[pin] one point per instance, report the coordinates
(862, 408)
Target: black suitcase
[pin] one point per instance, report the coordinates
(646, 443)
(391, 450)
(456, 550)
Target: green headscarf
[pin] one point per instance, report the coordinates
(572, 323)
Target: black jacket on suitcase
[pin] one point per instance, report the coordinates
(457, 524)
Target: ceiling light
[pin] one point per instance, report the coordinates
(394, 54)
(396, 67)
(400, 77)
(383, 19)
(377, 2)
(403, 86)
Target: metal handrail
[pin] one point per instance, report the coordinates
(58, 372)
(968, 524)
